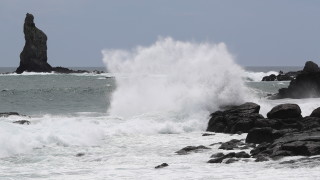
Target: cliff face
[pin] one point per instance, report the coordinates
(34, 54)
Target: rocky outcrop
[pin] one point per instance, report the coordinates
(33, 57)
(281, 76)
(311, 67)
(315, 113)
(189, 149)
(235, 119)
(161, 166)
(285, 111)
(303, 143)
(34, 54)
(306, 84)
(284, 133)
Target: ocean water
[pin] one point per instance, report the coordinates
(153, 101)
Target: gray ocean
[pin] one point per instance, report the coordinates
(106, 126)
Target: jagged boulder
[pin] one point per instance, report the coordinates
(311, 67)
(306, 84)
(34, 54)
(235, 119)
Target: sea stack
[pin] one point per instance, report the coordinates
(34, 54)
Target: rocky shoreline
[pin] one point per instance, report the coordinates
(283, 133)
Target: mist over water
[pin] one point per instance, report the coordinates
(183, 79)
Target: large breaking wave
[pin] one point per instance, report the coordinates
(179, 78)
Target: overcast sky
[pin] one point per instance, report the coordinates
(257, 33)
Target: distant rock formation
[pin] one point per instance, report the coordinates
(34, 54)
(33, 57)
(281, 76)
(306, 84)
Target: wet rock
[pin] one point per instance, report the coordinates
(261, 158)
(242, 154)
(305, 85)
(260, 149)
(284, 111)
(216, 160)
(7, 114)
(22, 122)
(281, 76)
(234, 119)
(303, 143)
(271, 77)
(231, 160)
(207, 134)
(80, 154)
(189, 149)
(67, 70)
(315, 113)
(231, 155)
(217, 155)
(232, 144)
(309, 122)
(161, 166)
(260, 135)
(213, 144)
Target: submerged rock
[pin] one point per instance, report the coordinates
(161, 166)
(190, 149)
(230, 156)
(22, 122)
(7, 114)
(80, 154)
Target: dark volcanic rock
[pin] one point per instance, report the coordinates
(34, 54)
(231, 155)
(22, 122)
(267, 134)
(259, 135)
(232, 144)
(311, 67)
(235, 119)
(231, 160)
(306, 84)
(271, 77)
(281, 76)
(161, 166)
(309, 122)
(284, 111)
(190, 149)
(261, 158)
(216, 155)
(316, 113)
(207, 134)
(33, 57)
(6, 114)
(67, 71)
(304, 143)
(80, 154)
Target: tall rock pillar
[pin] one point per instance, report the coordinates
(34, 54)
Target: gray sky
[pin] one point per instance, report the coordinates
(258, 33)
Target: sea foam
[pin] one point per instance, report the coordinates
(179, 80)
